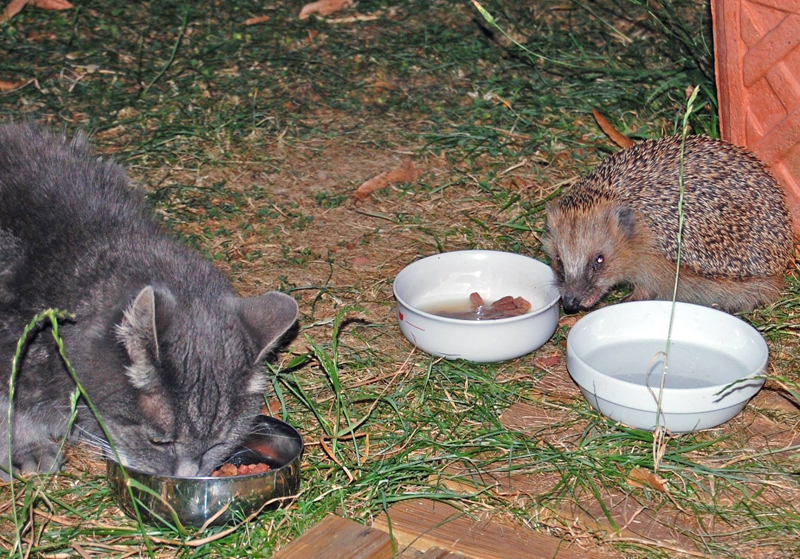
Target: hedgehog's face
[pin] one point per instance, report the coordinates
(589, 251)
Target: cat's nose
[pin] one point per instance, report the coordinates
(186, 468)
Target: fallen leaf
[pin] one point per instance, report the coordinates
(547, 361)
(256, 20)
(324, 7)
(381, 85)
(312, 34)
(51, 4)
(404, 173)
(12, 9)
(15, 6)
(11, 86)
(568, 320)
(639, 477)
(271, 409)
(614, 135)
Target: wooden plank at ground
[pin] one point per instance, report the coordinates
(775, 399)
(465, 478)
(423, 523)
(529, 418)
(334, 538)
(557, 386)
(543, 421)
(631, 518)
(432, 553)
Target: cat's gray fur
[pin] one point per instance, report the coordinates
(166, 351)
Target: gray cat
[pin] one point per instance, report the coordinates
(169, 355)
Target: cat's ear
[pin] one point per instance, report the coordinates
(138, 332)
(267, 318)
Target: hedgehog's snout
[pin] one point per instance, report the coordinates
(571, 303)
(580, 295)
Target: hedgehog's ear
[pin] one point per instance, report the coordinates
(625, 219)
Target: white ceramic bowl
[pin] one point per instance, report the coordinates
(610, 351)
(449, 277)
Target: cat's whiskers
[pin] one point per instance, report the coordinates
(99, 446)
(236, 454)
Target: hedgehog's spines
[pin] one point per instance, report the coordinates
(736, 224)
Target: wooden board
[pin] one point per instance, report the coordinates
(622, 515)
(557, 386)
(432, 553)
(465, 478)
(335, 538)
(542, 421)
(631, 517)
(423, 524)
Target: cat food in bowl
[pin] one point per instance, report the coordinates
(479, 305)
(715, 365)
(228, 469)
(273, 451)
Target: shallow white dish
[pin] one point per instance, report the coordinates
(609, 352)
(450, 277)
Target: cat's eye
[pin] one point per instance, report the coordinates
(165, 445)
(160, 439)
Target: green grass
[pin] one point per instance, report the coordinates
(251, 140)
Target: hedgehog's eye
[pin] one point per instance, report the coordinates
(598, 261)
(558, 267)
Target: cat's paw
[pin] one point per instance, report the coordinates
(42, 460)
(34, 449)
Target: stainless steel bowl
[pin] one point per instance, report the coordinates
(195, 500)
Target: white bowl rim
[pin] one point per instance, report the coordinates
(757, 374)
(474, 323)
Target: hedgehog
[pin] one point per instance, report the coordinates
(619, 225)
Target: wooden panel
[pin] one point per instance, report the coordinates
(411, 553)
(557, 386)
(533, 419)
(436, 553)
(432, 553)
(426, 523)
(634, 519)
(619, 511)
(631, 517)
(335, 538)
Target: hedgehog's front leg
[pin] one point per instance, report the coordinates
(639, 293)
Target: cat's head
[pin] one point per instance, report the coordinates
(197, 375)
